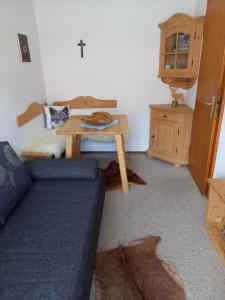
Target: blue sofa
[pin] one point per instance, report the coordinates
(49, 233)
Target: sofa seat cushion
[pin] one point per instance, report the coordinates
(48, 244)
(14, 180)
(62, 168)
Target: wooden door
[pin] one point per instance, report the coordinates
(210, 89)
(165, 139)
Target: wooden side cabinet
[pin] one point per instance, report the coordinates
(180, 50)
(215, 218)
(170, 133)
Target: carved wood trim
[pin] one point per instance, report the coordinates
(181, 18)
(87, 102)
(184, 83)
(33, 110)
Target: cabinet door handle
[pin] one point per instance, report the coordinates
(153, 136)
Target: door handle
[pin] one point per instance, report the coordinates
(211, 103)
(208, 103)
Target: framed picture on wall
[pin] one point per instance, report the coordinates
(24, 48)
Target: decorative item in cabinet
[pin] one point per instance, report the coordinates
(180, 50)
(215, 218)
(170, 133)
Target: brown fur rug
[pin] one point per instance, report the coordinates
(112, 176)
(134, 272)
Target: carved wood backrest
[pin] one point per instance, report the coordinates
(35, 109)
(87, 102)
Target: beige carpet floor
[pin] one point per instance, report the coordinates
(169, 206)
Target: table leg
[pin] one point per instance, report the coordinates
(69, 146)
(124, 150)
(77, 139)
(122, 163)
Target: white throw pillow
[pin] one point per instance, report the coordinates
(55, 116)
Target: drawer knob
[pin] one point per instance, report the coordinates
(164, 116)
(153, 136)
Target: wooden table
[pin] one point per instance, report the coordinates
(73, 131)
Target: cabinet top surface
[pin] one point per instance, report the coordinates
(169, 107)
(219, 187)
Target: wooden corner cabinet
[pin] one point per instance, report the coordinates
(215, 218)
(170, 133)
(180, 50)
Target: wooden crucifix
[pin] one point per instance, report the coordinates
(81, 45)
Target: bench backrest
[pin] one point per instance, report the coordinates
(87, 102)
(35, 109)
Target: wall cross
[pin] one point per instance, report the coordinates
(81, 45)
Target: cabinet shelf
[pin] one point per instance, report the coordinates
(176, 52)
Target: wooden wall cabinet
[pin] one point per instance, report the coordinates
(170, 133)
(180, 50)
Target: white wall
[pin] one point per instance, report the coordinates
(20, 83)
(220, 160)
(121, 58)
(200, 7)
(191, 95)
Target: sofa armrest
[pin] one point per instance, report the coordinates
(62, 168)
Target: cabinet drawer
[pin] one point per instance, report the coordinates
(165, 115)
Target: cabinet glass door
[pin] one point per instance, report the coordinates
(170, 61)
(171, 43)
(183, 42)
(182, 61)
(177, 47)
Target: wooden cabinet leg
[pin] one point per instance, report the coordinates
(77, 140)
(122, 163)
(149, 154)
(177, 165)
(69, 146)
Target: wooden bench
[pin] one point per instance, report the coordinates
(35, 109)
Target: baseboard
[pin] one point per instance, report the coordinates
(112, 152)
